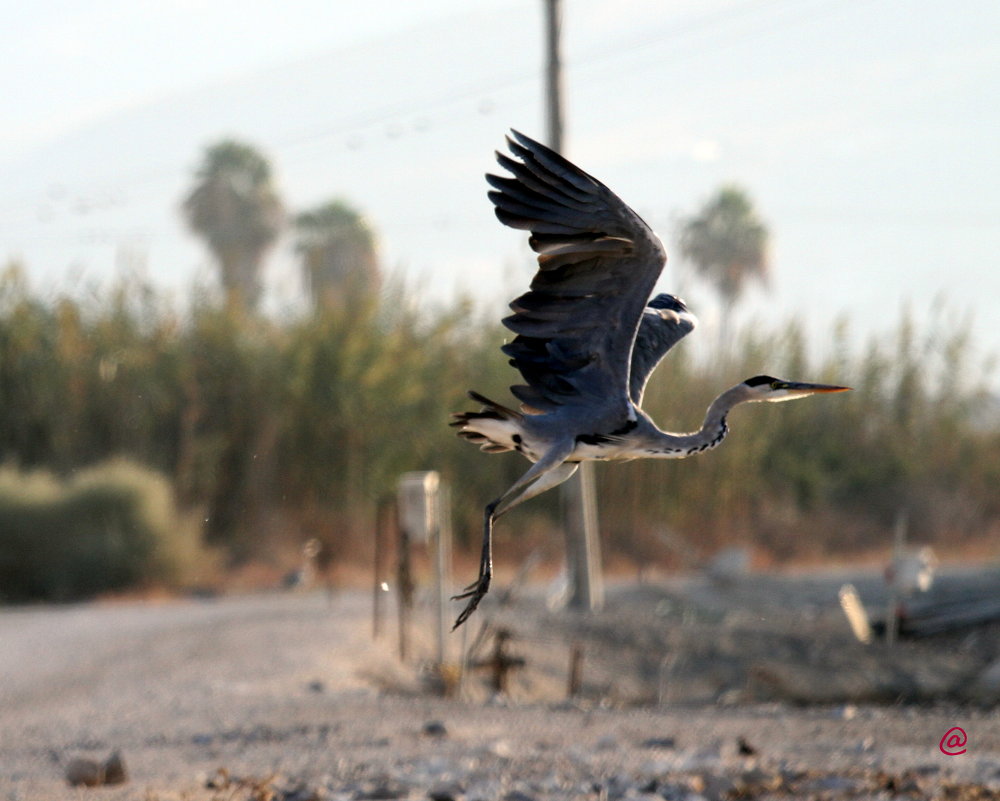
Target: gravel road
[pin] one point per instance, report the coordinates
(287, 697)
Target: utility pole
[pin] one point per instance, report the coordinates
(583, 546)
(553, 74)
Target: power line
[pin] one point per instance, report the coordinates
(389, 112)
(381, 115)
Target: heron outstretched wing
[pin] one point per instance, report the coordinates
(665, 322)
(598, 262)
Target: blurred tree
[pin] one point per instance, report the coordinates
(296, 428)
(339, 254)
(234, 207)
(727, 243)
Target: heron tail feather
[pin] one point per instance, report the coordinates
(494, 428)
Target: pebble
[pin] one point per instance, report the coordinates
(501, 748)
(114, 769)
(434, 728)
(660, 742)
(449, 791)
(722, 782)
(82, 772)
(830, 784)
(388, 790)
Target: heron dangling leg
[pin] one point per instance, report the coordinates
(532, 483)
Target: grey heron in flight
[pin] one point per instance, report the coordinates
(587, 338)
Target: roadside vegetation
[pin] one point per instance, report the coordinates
(137, 438)
(258, 431)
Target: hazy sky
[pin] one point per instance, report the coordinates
(868, 133)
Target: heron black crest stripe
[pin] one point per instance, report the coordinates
(757, 380)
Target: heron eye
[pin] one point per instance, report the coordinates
(776, 385)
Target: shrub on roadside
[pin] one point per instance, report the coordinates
(109, 527)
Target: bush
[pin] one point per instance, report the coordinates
(289, 428)
(109, 527)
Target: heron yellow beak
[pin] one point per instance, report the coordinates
(801, 388)
(792, 390)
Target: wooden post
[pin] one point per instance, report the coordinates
(553, 74)
(583, 546)
(892, 611)
(583, 555)
(575, 670)
(381, 521)
(500, 663)
(419, 522)
(442, 567)
(404, 590)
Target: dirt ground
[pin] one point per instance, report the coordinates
(688, 689)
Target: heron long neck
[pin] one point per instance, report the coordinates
(713, 430)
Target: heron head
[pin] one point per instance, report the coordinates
(774, 390)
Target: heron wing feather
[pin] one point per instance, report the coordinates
(665, 322)
(598, 262)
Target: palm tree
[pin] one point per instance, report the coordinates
(727, 243)
(339, 254)
(236, 210)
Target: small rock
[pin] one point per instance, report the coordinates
(732, 697)
(434, 728)
(388, 791)
(220, 780)
(91, 773)
(114, 769)
(743, 748)
(450, 791)
(660, 742)
(757, 781)
(500, 748)
(888, 783)
(298, 792)
(84, 773)
(316, 686)
(831, 783)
